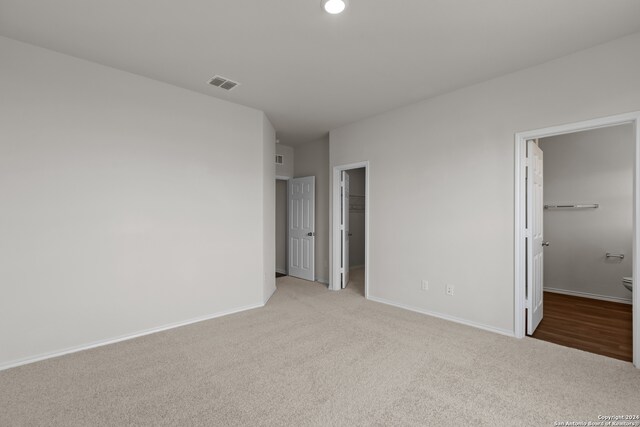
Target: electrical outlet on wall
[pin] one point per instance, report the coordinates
(449, 289)
(425, 285)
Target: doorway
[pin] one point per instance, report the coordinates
(350, 228)
(353, 203)
(530, 241)
(282, 267)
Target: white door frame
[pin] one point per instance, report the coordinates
(334, 280)
(520, 194)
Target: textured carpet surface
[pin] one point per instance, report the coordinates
(314, 357)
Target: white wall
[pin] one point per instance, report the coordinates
(356, 217)
(312, 159)
(595, 166)
(281, 226)
(285, 170)
(123, 208)
(442, 173)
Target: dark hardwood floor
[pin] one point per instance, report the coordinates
(587, 324)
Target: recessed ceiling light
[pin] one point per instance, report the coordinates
(334, 6)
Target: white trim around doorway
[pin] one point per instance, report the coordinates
(520, 212)
(334, 283)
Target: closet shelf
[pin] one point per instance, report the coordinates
(356, 203)
(573, 206)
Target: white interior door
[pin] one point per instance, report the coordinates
(344, 228)
(535, 236)
(302, 227)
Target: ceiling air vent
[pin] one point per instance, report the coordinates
(223, 83)
(279, 159)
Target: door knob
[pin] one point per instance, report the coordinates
(545, 243)
(310, 234)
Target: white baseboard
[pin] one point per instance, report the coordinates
(273, 291)
(281, 270)
(75, 349)
(445, 317)
(588, 295)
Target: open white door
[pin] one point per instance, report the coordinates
(302, 227)
(535, 237)
(344, 228)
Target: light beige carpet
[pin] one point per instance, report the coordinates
(315, 357)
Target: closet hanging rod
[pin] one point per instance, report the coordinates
(576, 206)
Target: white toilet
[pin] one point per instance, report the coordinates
(627, 282)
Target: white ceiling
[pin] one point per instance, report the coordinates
(312, 72)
